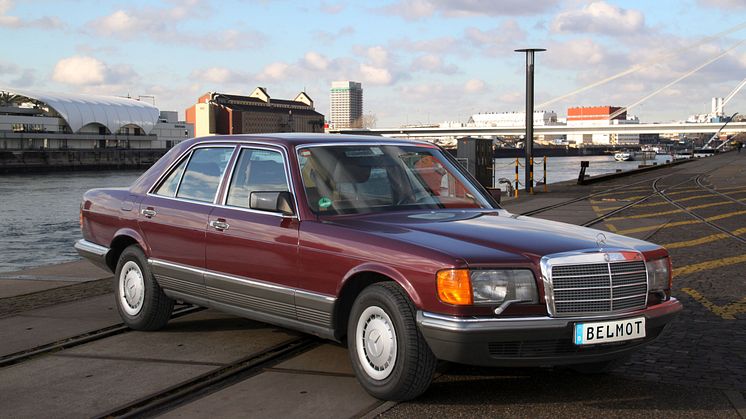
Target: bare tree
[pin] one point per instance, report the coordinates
(369, 121)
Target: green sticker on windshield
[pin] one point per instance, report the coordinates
(325, 202)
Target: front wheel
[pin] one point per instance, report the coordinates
(140, 301)
(390, 357)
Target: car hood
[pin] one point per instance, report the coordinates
(487, 237)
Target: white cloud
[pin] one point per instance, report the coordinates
(316, 61)
(418, 9)
(474, 86)
(80, 70)
(161, 25)
(725, 4)
(500, 40)
(218, 75)
(375, 75)
(275, 71)
(576, 54)
(8, 21)
(377, 55)
(329, 37)
(88, 71)
(434, 64)
(331, 8)
(600, 17)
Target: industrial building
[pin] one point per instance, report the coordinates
(346, 105)
(716, 114)
(594, 116)
(221, 113)
(33, 120)
(515, 119)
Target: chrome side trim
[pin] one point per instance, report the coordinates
(314, 308)
(323, 332)
(246, 293)
(180, 278)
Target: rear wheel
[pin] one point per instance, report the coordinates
(140, 301)
(390, 357)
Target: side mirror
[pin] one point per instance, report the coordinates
(275, 201)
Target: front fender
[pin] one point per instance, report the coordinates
(386, 270)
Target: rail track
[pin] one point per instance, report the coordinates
(160, 401)
(698, 181)
(655, 192)
(77, 340)
(194, 388)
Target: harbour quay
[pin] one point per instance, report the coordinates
(63, 348)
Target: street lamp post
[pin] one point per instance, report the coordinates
(529, 140)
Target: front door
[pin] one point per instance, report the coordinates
(253, 253)
(173, 219)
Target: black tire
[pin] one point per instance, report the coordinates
(414, 363)
(154, 307)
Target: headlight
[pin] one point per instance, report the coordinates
(659, 274)
(499, 286)
(464, 287)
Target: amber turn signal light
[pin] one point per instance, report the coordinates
(454, 287)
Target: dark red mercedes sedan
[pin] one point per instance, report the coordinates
(388, 244)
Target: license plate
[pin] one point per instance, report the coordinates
(611, 331)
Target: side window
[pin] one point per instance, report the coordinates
(256, 170)
(169, 186)
(202, 176)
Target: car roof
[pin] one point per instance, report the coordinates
(297, 139)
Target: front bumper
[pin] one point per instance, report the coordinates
(93, 252)
(531, 341)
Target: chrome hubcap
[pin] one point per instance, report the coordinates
(131, 288)
(376, 343)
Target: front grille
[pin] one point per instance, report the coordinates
(599, 287)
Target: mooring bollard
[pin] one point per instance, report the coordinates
(517, 184)
(545, 174)
(583, 165)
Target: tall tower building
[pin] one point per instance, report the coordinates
(346, 105)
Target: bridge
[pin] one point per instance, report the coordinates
(670, 128)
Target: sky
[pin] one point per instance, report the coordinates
(420, 61)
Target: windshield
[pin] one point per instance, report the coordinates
(377, 178)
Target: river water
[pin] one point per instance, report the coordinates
(560, 169)
(39, 223)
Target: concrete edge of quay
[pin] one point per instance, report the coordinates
(35, 161)
(609, 176)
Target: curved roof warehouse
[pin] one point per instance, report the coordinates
(79, 110)
(31, 119)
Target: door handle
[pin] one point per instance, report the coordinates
(148, 212)
(219, 225)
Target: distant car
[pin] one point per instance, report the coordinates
(388, 244)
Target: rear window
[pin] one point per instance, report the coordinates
(203, 173)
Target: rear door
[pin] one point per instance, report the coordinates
(173, 219)
(253, 254)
